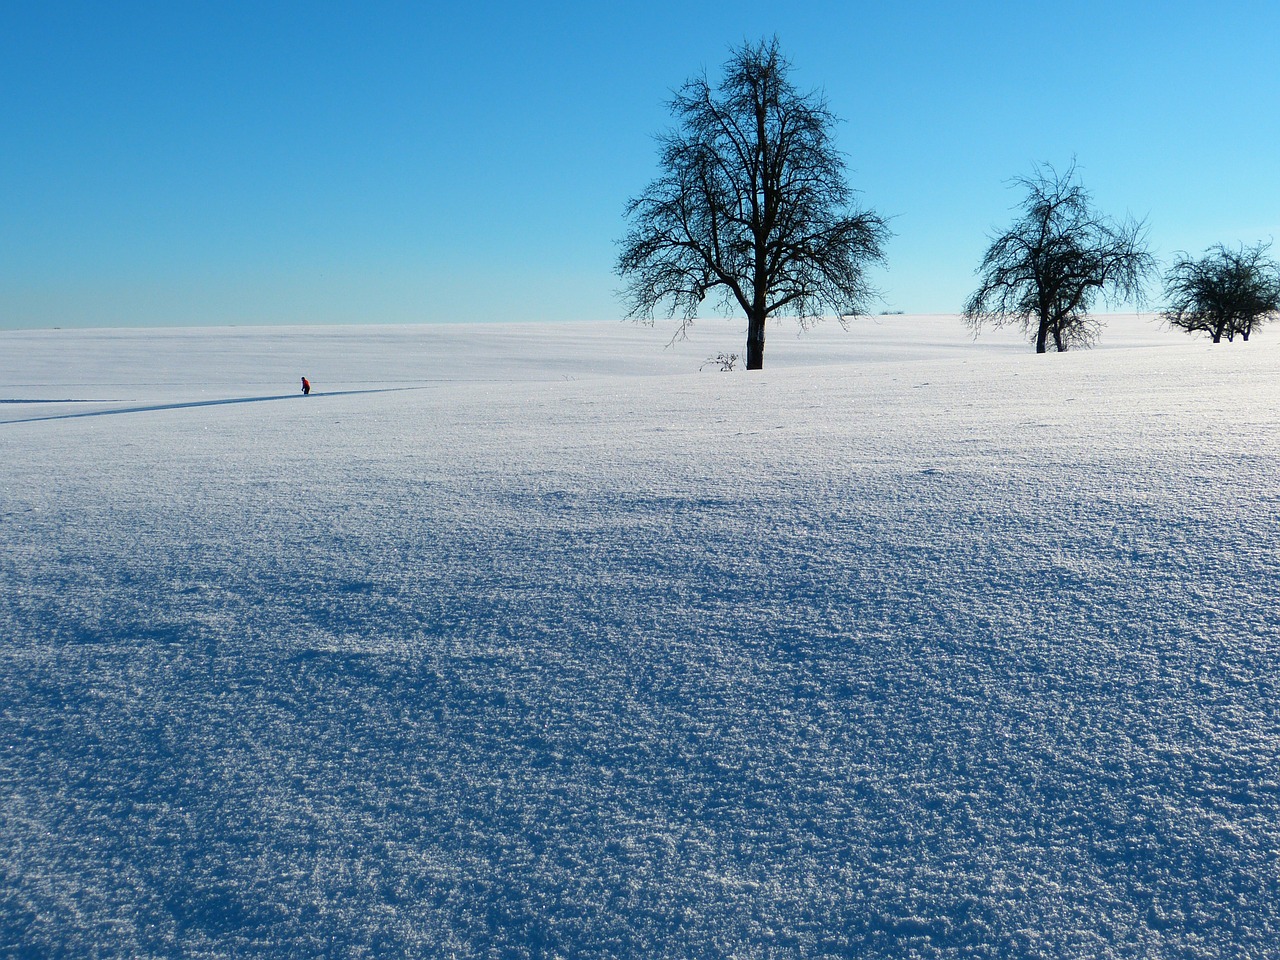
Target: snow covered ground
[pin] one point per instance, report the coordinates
(541, 641)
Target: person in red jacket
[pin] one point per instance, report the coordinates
(306, 386)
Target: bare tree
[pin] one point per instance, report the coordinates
(1047, 269)
(752, 203)
(1224, 292)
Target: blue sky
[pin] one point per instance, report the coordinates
(227, 162)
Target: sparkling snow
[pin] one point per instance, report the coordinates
(540, 641)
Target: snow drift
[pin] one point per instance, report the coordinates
(540, 641)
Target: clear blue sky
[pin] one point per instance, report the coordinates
(226, 162)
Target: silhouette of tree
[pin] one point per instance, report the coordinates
(752, 203)
(1046, 270)
(1223, 292)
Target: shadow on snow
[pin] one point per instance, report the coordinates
(152, 408)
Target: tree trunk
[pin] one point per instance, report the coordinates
(1042, 336)
(755, 341)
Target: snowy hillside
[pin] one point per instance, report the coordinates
(543, 642)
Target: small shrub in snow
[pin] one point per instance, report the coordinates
(723, 361)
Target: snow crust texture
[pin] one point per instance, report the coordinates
(495, 647)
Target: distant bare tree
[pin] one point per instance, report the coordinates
(1223, 292)
(751, 203)
(1046, 270)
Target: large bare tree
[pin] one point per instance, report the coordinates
(1225, 292)
(1045, 272)
(751, 204)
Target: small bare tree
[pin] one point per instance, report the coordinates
(1046, 270)
(751, 203)
(1225, 292)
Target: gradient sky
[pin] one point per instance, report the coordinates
(266, 162)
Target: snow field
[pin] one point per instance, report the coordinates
(499, 645)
